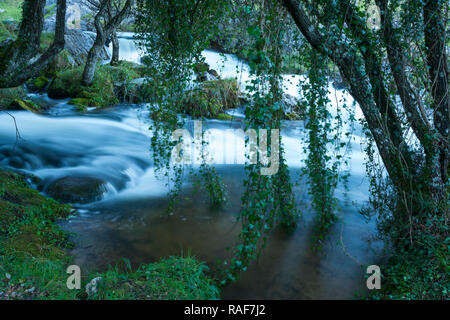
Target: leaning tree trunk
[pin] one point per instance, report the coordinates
(368, 89)
(115, 51)
(104, 29)
(20, 59)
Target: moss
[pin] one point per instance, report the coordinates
(41, 82)
(28, 105)
(81, 102)
(211, 98)
(224, 116)
(104, 92)
(20, 204)
(67, 84)
(9, 96)
(46, 40)
(63, 61)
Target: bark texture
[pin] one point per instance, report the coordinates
(20, 58)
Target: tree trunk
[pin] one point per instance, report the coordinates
(20, 59)
(115, 51)
(105, 25)
(91, 62)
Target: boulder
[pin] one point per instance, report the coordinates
(78, 44)
(76, 189)
(292, 108)
(78, 15)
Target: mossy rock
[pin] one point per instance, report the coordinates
(8, 97)
(28, 105)
(58, 89)
(63, 61)
(224, 116)
(41, 83)
(82, 102)
(102, 93)
(77, 189)
(211, 98)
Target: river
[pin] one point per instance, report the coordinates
(130, 221)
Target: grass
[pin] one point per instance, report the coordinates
(13, 10)
(33, 257)
(211, 98)
(31, 244)
(173, 278)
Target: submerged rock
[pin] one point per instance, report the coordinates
(77, 189)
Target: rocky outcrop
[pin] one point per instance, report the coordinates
(78, 44)
(78, 16)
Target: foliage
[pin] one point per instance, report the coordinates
(13, 10)
(103, 92)
(173, 35)
(324, 150)
(268, 199)
(417, 270)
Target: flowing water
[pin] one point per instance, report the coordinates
(130, 221)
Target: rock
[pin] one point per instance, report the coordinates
(204, 73)
(39, 84)
(92, 286)
(77, 16)
(78, 44)
(28, 105)
(214, 73)
(292, 108)
(77, 189)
